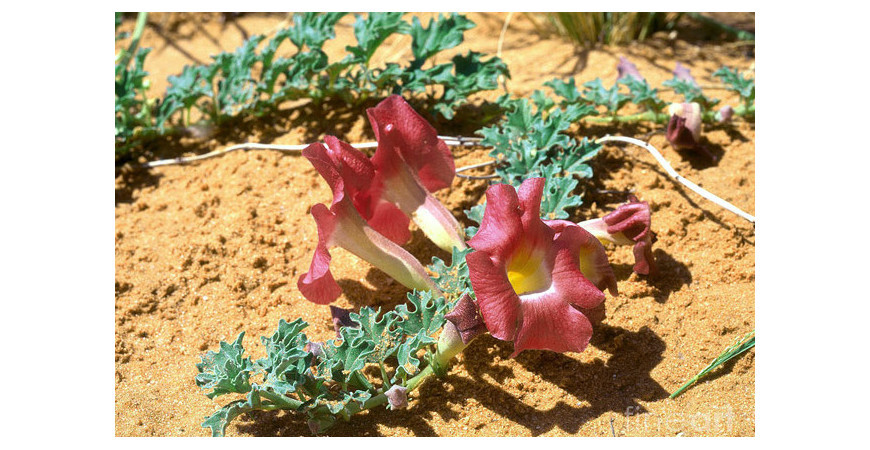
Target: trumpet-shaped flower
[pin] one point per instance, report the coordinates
(350, 177)
(366, 191)
(533, 284)
(412, 162)
(629, 224)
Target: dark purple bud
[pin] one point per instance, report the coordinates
(397, 396)
(725, 113)
(467, 319)
(341, 318)
(627, 69)
(682, 73)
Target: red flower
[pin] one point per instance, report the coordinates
(411, 162)
(351, 177)
(533, 284)
(629, 224)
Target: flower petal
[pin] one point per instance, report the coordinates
(433, 218)
(532, 285)
(581, 269)
(536, 233)
(550, 323)
(411, 163)
(632, 219)
(499, 304)
(350, 172)
(405, 136)
(501, 226)
(644, 262)
(342, 226)
(318, 155)
(318, 285)
(390, 221)
(341, 318)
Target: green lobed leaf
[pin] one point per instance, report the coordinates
(427, 314)
(383, 334)
(444, 33)
(565, 89)
(225, 371)
(372, 30)
(690, 92)
(453, 279)
(287, 359)
(745, 87)
(541, 101)
(471, 74)
(558, 194)
(312, 29)
(219, 421)
(595, 92)
(236, 86)
(643, 94)
(347, 357)
(573, 162)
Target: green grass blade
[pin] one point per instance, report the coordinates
(736, 349)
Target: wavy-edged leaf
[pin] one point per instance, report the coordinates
(225, 371)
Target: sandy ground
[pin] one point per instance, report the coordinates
(205, 251)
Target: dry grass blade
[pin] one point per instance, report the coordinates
(587, 28)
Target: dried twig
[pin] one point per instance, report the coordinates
(475, 166)
(458, 141)
(673, 173)
(507, 22)
(477, 177)
(463, 141)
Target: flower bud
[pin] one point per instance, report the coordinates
(466, 317)
(340, 319)
(315, 348)
(684, 127)
(397, 397)
(681, 72)
(627, 69)
(724, 114)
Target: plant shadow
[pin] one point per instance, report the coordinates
(615, 385)
(672, 276)
(601, 386)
